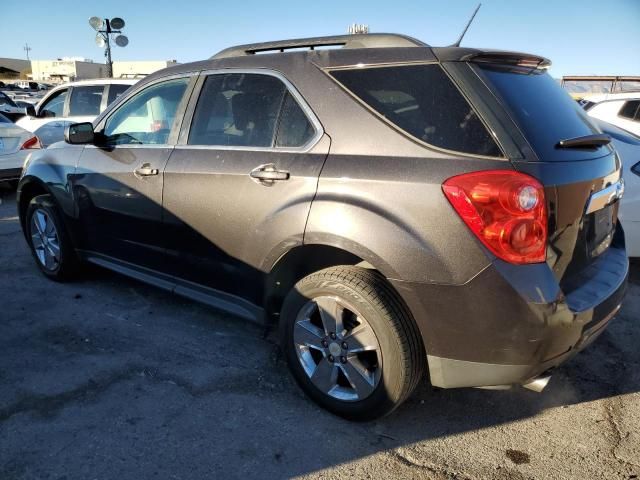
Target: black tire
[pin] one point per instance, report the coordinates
(68, 265)
(401, 347)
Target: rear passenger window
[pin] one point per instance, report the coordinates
(115, 90)
(237, 109)
(294, 128)
(630, 110)
(421, 101)
(85, 100)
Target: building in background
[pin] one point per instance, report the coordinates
(66, 69)
(11, 68)
(69, 69)
(138, 69)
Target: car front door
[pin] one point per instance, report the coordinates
(239, 184)
(53, 106)
(118, 183)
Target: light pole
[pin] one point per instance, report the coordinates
(27, 49)
(105, 28)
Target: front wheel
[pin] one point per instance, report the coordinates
(50, 245)
(350, 342)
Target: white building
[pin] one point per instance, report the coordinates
(69, 69)
(66, 70)
(139, 68)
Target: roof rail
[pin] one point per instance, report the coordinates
(369, 40)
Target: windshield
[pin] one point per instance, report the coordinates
(544, 112)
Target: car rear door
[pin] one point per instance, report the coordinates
(118, 183)
(239, 184)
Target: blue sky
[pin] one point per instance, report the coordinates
(581, 37)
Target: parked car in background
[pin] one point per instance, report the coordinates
(80, 101)
(395, 208)
(15, 144)
(27, 85)
(9, 108)
(627, 145)
(580, 86)
(620, 109)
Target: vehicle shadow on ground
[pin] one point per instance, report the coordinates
(608, 369)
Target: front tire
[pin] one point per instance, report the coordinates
(350, 342)
(50, 245)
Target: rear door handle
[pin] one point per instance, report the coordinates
(268, 173)
(146, 171)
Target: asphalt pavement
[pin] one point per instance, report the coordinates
(107, 378)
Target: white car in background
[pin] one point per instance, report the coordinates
(73, 102)
(628, 147)
(620, 109)
(15, 144)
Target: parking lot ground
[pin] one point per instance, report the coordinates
(107, 378)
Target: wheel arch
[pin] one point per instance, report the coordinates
(29, 188)
(302, 260)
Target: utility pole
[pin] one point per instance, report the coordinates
(107, 51)
(27, 49)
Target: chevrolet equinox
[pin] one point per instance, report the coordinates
(396, 210)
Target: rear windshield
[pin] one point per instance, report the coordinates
(544, 112)
(422, 101)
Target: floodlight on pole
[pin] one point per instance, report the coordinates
(105, 29)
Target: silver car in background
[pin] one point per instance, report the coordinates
(16, 144)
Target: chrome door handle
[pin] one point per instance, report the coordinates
(145, 170)
(269, 173)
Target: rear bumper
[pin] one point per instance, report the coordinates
(512, 323)
(11, 164)
(8, 174)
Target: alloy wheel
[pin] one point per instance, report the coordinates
(338, 349)
(45, 240)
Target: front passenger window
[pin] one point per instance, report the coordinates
(54, 106)
(147, 117)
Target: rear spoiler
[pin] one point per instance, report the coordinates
(509, 58)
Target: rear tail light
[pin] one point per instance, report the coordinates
(31, 143)
(506, 210)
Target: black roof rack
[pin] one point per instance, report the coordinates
(368, 40)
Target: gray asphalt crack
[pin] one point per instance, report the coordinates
(612, 410)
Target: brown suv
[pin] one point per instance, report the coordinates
(396, 208)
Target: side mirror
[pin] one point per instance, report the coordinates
(79, 133)
(30, 111)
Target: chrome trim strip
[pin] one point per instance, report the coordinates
(606, 196)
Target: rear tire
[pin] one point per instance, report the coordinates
(373, 360)
(50, 244)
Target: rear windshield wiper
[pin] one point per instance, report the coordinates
(588, 141)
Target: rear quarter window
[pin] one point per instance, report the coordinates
(630, 110)
(423, 102)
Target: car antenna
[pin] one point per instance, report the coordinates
(457, 44)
